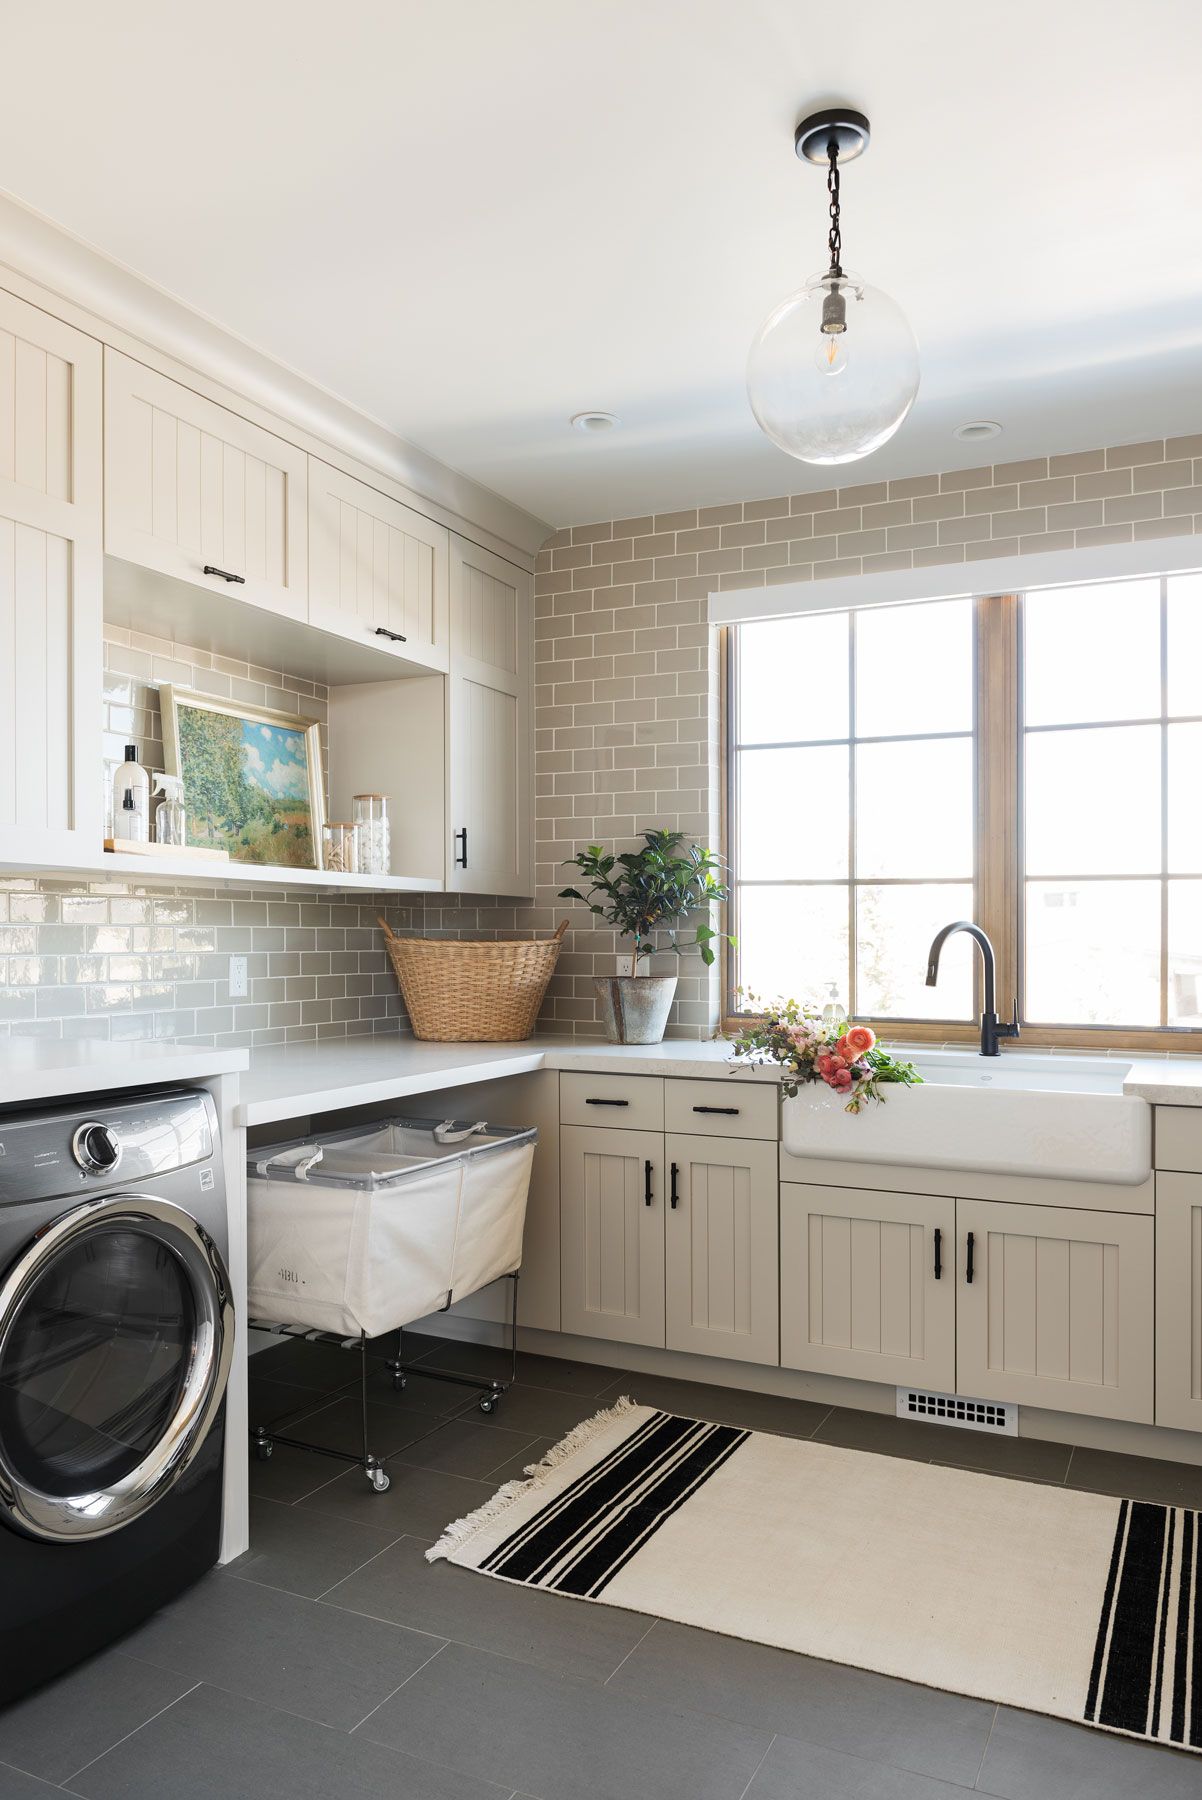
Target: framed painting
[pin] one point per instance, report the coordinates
(252, 778)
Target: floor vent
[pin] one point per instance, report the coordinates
(998, 1416)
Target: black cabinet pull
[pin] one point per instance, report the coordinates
(673, 1196)
(394, 637)
(461, 859)
(938, 1254)
(730, 1112)
(648, 1196)
(224, 574)
(968, 1264)
(607, 1103)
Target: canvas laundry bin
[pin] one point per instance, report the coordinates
(368, 1229)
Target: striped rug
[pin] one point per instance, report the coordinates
(1074, 1604)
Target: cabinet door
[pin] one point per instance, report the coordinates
(1179, 1300)
(1059, 1309)
(721, 1263)
(611, 1234)
(378, 571)
(51, 787)
(490, 738)
(866, 1287)
(189, 485)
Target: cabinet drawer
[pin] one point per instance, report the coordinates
(631, 1102)
(729, 1108)
(1178, 1138)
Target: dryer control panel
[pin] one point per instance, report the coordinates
(95, 1142)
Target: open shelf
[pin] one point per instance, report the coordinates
(152, 869)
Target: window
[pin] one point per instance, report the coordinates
(1028, 762)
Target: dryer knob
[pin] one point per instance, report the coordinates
(96, 1148)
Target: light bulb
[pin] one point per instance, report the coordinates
(831, 353)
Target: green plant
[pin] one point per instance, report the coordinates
(650, 890)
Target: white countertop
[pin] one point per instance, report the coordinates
(34, 1069)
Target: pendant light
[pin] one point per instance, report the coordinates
(833, 370)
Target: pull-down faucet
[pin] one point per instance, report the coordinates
(992, 1029)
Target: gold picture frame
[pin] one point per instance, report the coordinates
(253, 782)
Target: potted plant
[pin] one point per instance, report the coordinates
(645, 894)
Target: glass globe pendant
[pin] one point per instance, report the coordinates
(833, 369)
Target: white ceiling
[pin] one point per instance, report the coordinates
(473, 218)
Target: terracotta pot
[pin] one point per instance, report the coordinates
(634, 1008)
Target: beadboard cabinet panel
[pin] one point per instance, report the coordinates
(190, 485)
(378, 571)
(489, 725)
(866, 1289)
(1179, 1301)
(1059, 1311)
(722, 1266)
(611, 1235)
(51, 782)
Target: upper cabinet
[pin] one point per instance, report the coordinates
(489, 725)
(196, 492)
(378, 571)
(50, 586)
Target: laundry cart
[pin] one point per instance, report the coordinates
(354, 1234)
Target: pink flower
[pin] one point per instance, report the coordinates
(857, 1040)
(843, 1078)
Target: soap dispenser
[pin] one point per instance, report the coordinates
(131, 800)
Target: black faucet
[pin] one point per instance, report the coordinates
(992, 1029)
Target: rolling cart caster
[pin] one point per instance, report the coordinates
(400, 1382)
(263, 1449)
(488, 1402)
(380, 1481)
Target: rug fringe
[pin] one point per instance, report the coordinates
(460, 1531)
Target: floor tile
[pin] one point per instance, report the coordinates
(885, 1435)
(307, 1552)
(16, 1785)
(242, 1750)
(726, 1406)
(313, 1365)
(420, 1501)
(1033, 1758)
(71, 1720)
(270, 1400)
(466, 1448)
(561, 1738)
(533, 1370)
(1136, 1477)
(288, 1475)
(338, 1424)
(284, 1651)
(521, 1622)
(514, 1467)
(846, 1709)
(795, 1771)
(543, 1412)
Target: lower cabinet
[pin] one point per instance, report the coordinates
(611, 1225)
(868, 1284)
(1178, 1297)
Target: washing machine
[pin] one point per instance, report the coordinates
(116, 1337)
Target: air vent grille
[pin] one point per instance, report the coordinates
(1000, 1417)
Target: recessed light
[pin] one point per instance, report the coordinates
(595, 421)
(976, 430)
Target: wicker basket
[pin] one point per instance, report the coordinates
(458, 993)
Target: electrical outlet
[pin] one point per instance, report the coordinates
(238, 978)
(626, 965)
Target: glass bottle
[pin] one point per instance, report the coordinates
(375, 833)
(339, 847)
(131, 800)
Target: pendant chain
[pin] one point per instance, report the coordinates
(834, 240)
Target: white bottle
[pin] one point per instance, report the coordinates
(832, 1012)
(131, 800)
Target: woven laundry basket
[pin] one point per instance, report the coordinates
(458, 993)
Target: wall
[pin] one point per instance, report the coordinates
(627, 736)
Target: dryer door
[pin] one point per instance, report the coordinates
(116, 1336)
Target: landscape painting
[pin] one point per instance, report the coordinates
(252, 778)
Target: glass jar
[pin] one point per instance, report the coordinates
(339, 847)
(375, 834)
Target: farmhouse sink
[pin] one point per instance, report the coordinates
(1065, 1117)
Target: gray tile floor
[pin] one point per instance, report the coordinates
(332, 1662)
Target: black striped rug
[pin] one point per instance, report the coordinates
(1074, 1604)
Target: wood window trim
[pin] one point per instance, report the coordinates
(998, 863)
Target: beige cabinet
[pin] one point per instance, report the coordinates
(612, 1203)
(868, 1284)
(51, 781)
(721, 1262)
(190, 487)
(1179, 1300)
(1059, 1308)
(489, 725)
(378, 571)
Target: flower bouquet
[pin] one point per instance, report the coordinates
(808, 1048)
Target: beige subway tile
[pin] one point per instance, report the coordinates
(1105, 486)
(1103, 534)
(884, 513)
(704, 537)
(913, 487)
(591, 534)
(1046, 540)
(748, 578)
(823, 501)
(991, 499)
(654, 593)
(893, 559)
(613, 550)
(641, 663)
(660, 543)
(766, 509)
(839, 565)
(794, 572)
(748, 532)
(1157, 528)
(938, 506)
(633, 527)
(1131, 507)
(693, 587)
(1161, 475)
(815, 549)
(1047, 493)
(994, 547)
(551, 583)
(572, 556)
(1075, 515)
(1180, 502)
(720, 515)
(542, 562)
(912, 537)
(1121, 456)
(676, 521)
(871, 493)
(956, 480)
(1033, 469)
(557, 538)
(719, 562)
(963, 531)
(1082, 462)
(625, 573)
(1021, 522)
(1183, 446)
(863, 543)
(933, 559)
(674, 567)
(765, 556)
(794, 525)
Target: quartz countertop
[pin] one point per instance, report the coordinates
(37, 1069)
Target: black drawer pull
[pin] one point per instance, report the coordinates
(394, 637)
(673, 1194)
(938, 1254)
(607, 1103)
(461, 860)
(648, 1196)
(224, 574)
(730, 1112)
(968, 1265)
